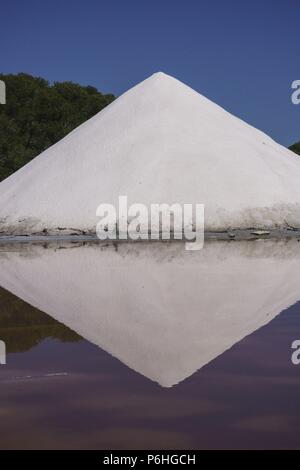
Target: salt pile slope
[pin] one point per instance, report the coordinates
(163, 311)
(161, 142)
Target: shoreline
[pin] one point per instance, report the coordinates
(226, 235)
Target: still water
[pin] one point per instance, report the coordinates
(147, 345)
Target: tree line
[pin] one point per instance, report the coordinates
(38, 114)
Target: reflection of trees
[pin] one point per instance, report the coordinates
(23, 326)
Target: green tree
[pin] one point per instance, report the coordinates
(37, 115)
(295, 148)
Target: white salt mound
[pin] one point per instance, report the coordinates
(160, 142)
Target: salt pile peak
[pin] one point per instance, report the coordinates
(160, 142)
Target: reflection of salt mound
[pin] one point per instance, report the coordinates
(161, 142)
(163, 311)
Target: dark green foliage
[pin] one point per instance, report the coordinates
(295, 148)
(22, 326)
(37, 115)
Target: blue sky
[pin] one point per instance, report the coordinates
(242, 54)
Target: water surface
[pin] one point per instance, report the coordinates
(147, 345)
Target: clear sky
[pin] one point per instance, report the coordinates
(242, 54)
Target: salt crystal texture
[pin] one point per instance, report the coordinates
(160, 142)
